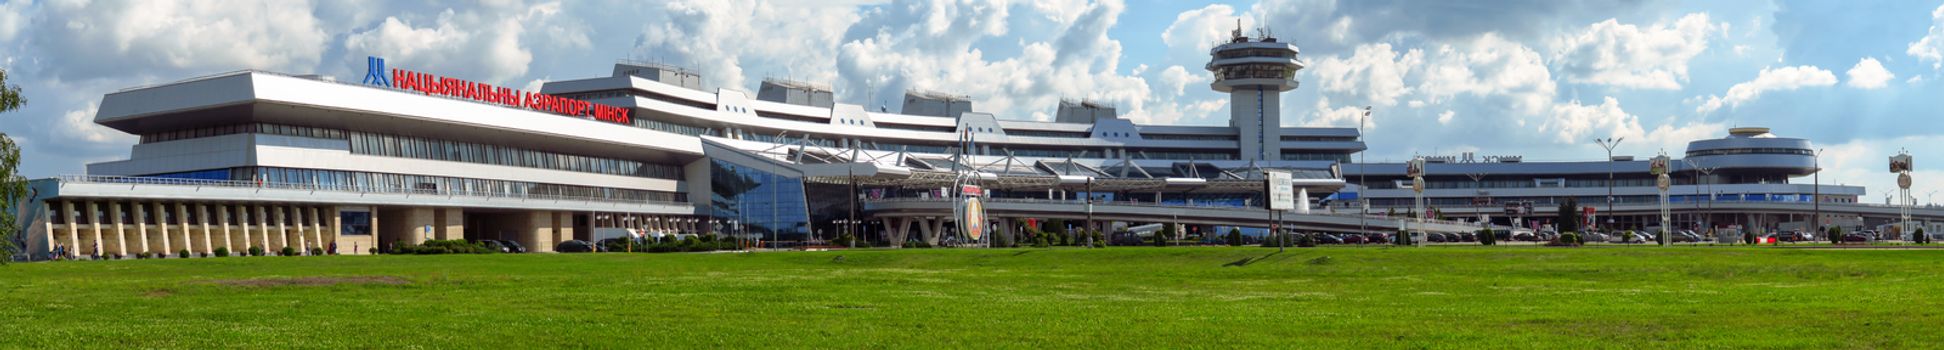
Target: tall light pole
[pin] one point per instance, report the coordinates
(1704, 173)
(1609, 144)
(1363, 199)
(1817, 196)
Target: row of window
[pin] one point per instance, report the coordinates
(1046, 133)
(423, 148)
(1336, 157)
(272, 129)
(1717, 152)
(1189, 137)
(384, 182)
(1279, 53)
(1255, 71)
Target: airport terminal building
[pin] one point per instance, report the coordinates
(271, 160)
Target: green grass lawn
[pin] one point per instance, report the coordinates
(1321, 298)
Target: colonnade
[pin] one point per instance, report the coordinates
(111, 228)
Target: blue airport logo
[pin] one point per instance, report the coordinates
(375, 72)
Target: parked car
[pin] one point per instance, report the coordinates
(574, 246)
(512, 246)
(1525, 236)
(1325, 238)
(1380, 238)
(1466, 237)
(1685, 236)
(1353, 238)
(1857, 237)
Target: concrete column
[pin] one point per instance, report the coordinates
(94, 224)
(141, 221)
(223, 212)
(282, 232)
(450, 223)
(182, 224)
(121, 234)
(47, 224)
(202, 212)
(263, 225)
(924, 230)
(299, 225)
(73, 229)
(245, 219)
(536, 230)
(563, 223)
(162, 212)
(317, 228)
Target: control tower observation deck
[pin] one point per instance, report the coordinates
(1255, 72)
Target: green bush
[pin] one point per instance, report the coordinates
(317, 251)
(1748, 237)
(1487, 237)
(1306, 241)
(184, 253)
(256, 251)
(1569, 239)
(1235, 237)
(438, 246)
(288, 251)
(222, 252)
(1835, 234)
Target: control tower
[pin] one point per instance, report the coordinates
(1255, 72)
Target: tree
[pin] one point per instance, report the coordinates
(1568, 218)
(1161, 237)
(13, 187)
(1235, 237)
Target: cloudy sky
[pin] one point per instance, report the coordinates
(1540, 78)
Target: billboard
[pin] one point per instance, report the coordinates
(972, 218)
(1282, 190)
(1900, 163)
(1414, 168)
(1657, 165)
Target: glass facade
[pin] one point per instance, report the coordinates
(382, 182)
(355, 223)
(432, 149)
(749, 201)
(423, 148)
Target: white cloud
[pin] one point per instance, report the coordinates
(1771, 79)
(1931, 46)
(78, 124)
(1195, 31)
(722, 39)
(1625, 55)
(1176, 80)
(174, 39)
(1444, 118)
(1489, 66)
(13, 18)
(1325, 115)
(900, 49)
(487, 43)
(1572, 122)
(1914, 80)
(1868, 74)
(1374, 72)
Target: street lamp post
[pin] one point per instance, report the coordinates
(1704, 173)
(1609, 144)
(1816, 197)
(1363, 199)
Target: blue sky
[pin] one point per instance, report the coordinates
(1540, 78)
